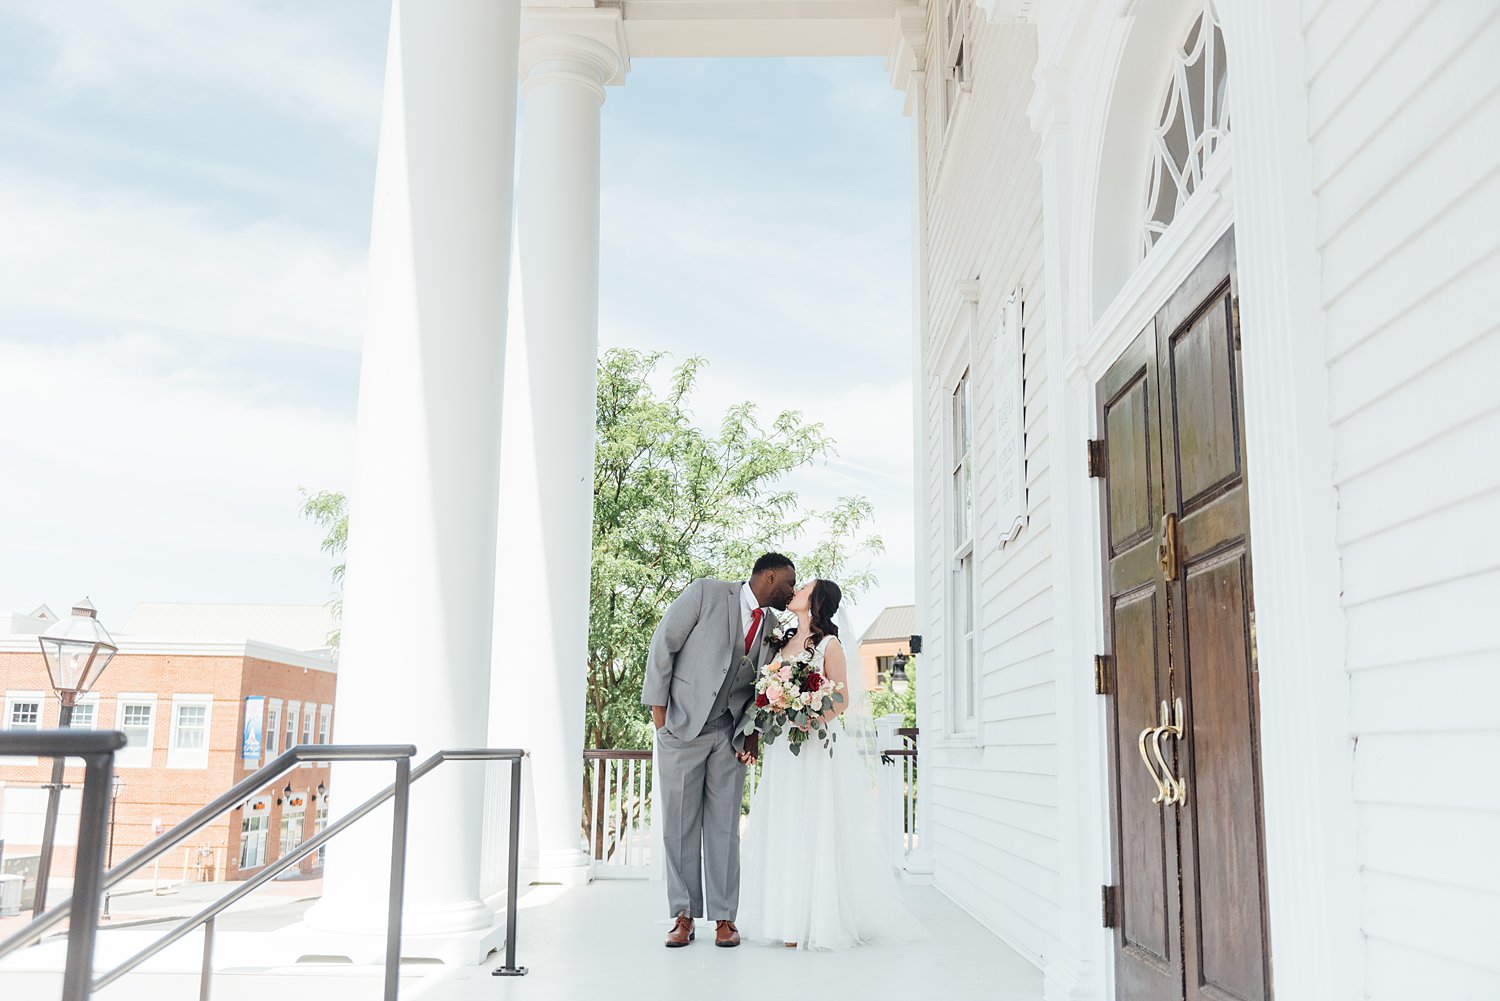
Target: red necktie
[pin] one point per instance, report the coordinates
(755, 617)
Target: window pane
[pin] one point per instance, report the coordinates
(83, 717)
(291, 729)
(25, 715)
(273, 731)
(191, 731)
(135, 720)
(307, 727)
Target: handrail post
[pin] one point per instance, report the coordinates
(88, 870)
(513, 876)
(205, 975)
(399, 801)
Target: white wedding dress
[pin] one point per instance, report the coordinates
(814, 867)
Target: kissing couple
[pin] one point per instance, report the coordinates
(726, 664)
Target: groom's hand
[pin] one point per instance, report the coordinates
(658, 716)
(751, 750)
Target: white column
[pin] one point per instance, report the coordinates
(547, 451)
(419, 595)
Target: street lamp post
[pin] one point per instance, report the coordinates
(76, 649)
(114, 794)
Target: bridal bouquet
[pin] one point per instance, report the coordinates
(791, 698)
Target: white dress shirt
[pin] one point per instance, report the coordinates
(748, 604)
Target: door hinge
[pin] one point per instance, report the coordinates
(1234, 318)
(1107, 899)
(1101, 674)
(1097, 458)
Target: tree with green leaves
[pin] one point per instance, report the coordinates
(672, 503)
(330, 509)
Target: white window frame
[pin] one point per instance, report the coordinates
(300, 830)
(259, 834)
(320, 822)
(962, 677)
(962, 562)
(136, 755)
(12, 699)
(956, 32)
(190, 757)
(325, 723)
(272, 745)
(291, 723)
(308, 729)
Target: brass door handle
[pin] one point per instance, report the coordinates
(1166, 551)
(1161, 787)
(1176, 787)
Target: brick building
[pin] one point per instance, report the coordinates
(889, 635)
(181, 687)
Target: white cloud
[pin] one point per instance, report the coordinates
(132, 484)
(105, 260)
(302, 61)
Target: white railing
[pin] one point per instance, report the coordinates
(617, 814)
(898, 793)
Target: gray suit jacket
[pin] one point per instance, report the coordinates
(698, 646)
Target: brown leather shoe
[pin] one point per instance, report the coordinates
(682, 932)
(727, 936)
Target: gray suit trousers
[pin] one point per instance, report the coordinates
(702, 785)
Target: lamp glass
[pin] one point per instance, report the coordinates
(77, 649)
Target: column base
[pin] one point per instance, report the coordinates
(565, 867)
(456, 918)
(455, 935)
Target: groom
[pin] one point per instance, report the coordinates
(700, 677)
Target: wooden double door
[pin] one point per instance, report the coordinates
(1188, 902)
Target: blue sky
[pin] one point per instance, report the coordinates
(184, 218)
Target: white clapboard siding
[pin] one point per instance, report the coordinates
(993, 821)
(1404, 108)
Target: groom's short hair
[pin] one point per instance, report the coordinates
(772, 561)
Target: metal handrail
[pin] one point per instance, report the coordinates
(97, 749)
(206, 815)
(397, 791)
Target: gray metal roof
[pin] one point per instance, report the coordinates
(897, 622)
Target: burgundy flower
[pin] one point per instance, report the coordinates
(762, 701)
(814, 682)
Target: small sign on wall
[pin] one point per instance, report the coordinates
(255, 721)
(1010, 418)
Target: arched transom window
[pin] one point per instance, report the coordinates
(1193, 124)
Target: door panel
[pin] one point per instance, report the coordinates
(1191, 922)
(1148, 944)
(1148, 863)
(1220, 768)
(1131, 489)
(1222, 856)
(1205, 403)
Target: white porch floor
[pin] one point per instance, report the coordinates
(604, 941)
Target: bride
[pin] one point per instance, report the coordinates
(816, 874)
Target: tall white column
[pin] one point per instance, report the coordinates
(420, 588)
(547, 452)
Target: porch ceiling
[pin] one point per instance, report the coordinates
(748, 27)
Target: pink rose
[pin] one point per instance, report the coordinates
(774, 693)
(785, 674)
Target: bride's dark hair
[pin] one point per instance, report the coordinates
(823, 605)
